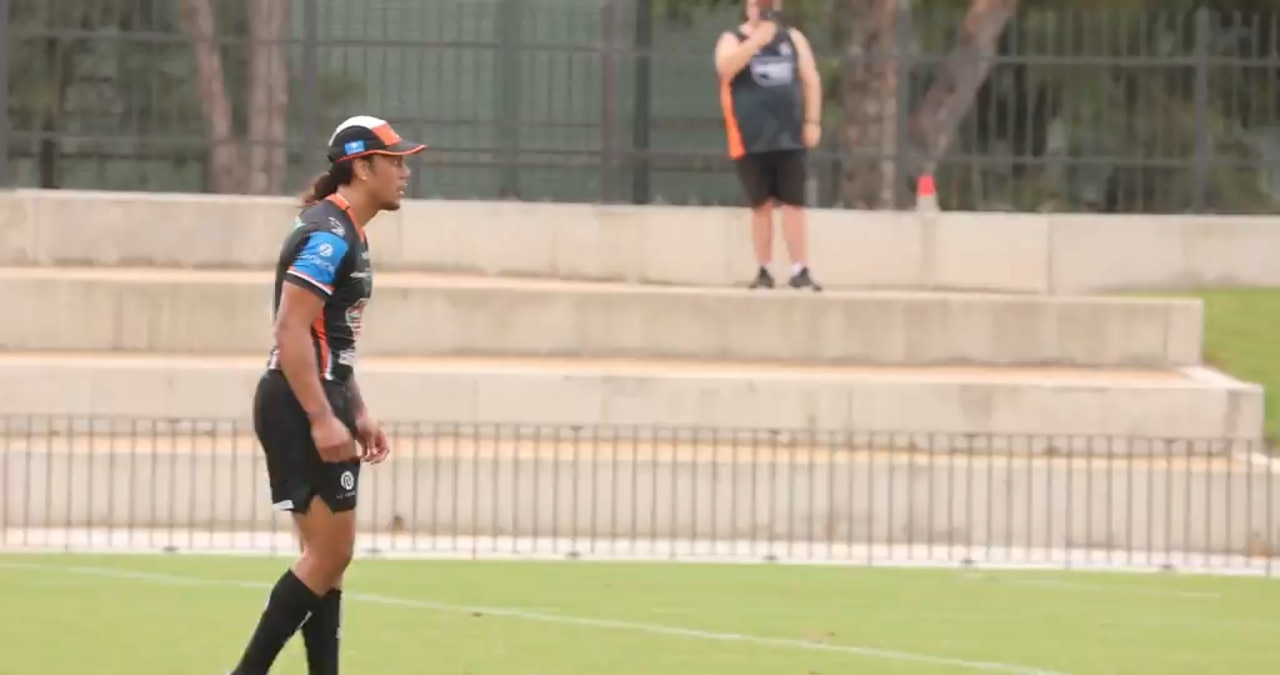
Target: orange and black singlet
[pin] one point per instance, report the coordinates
(763, 104)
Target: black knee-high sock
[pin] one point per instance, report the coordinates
(321, 633)
(288, 606)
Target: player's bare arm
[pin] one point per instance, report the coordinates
(373, 440)
(299, 310)
(357, 401)
(811, 81)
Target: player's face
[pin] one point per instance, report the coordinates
(388, 179)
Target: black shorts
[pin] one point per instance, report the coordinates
(294, 467)
(779, 175)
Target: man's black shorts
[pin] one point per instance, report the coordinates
(778, 175)
(294, 468)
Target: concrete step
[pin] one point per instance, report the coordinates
(1013, 252)
(649, 244)
(184, 311)
(1038, 407)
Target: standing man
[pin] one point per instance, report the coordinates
(771, 96)
(308, 412)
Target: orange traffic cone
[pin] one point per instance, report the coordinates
(926, 195)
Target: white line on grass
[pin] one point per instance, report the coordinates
(528, 615)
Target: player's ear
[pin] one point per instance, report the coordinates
(362, 168)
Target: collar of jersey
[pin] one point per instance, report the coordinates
(342, 203)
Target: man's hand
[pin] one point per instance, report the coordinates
(333, 440)
(812, 134)
(373, 441)
(763, 33)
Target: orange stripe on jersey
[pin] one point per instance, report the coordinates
(322, 336)
(731, 129)
(342, 203)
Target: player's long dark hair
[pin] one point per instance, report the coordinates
(327, 183)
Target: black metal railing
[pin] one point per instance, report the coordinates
(1145, 108)
(667, 493)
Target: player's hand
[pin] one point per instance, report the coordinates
(764, 32)
(333, 440)
(373, 441)
(812, 135)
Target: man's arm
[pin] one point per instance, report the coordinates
(810, 78)
(298, 311)
(732, 56)
(373, 439)
(357, 401)
(308, 284)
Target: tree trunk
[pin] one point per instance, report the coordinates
(870, 104)
(948, 100)
(225, 175)
(268, 95)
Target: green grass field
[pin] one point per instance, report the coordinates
(1242, 338)
(180, 615)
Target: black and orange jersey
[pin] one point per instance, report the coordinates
(763, 104)
(328, 255)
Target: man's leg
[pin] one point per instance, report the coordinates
(284, 433)
(762, 241)
(757, 188)
(304, 485)
(303, 588)
(791, 177)
(322, 632)
(323, 628)
(329, 540)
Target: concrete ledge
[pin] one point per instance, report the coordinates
(1024, 253)
(995, 402)
(852, 498)
(1119, 252)
(419, 315)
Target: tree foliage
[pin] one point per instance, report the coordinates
(1153, 105)
(109, 94)
(1168, 114)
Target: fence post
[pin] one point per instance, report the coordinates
(608, 90)
(310, 73)
(640, 124)
(1203, 30)
(903, 162)
(509, 69)
(6, 45)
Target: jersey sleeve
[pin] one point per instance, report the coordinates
(315, 266)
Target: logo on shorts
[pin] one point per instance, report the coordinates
(347, 480)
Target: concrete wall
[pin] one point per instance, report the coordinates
(1137, 506)
(416, 315)
(1026, 253)
(974, 401)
